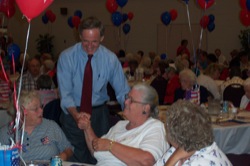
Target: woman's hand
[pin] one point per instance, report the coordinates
(101, 144)
(179, 155)
(83, 121)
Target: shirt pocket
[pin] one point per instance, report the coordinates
(100, 84)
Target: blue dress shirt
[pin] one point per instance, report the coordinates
(106, 68)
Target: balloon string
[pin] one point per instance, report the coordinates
(189, 23)
(202, 22)
(201, 37)
(17, 120)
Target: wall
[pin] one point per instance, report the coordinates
(144, 33)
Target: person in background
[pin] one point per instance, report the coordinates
(42, 139)
(172, 85)
(130, 72)
(138, 140)
(45, 89)
(234, 78)
(192, 140)
(211, 58)
(106, 68)
(30, 77)
(5, 89)
(190, 90)
(207, 80)
(244, 62)
(44, 57)
(160, 82)
(245, 100)
(221, 58)
(182, 49)
(202, 61)
(21, 65)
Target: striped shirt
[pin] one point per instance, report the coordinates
(4, 91)
(46, 141)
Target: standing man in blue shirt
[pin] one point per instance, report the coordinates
(106, 68)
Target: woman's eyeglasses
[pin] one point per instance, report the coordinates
(131, 100)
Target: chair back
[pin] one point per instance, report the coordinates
(53, 110)
(233, 93)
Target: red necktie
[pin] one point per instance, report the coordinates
(248, 106)
(86, 101)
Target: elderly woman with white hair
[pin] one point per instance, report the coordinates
(138, 140)
(245, 100)
(190, 90)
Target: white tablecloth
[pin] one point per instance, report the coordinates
(4, 118)
(233, 139)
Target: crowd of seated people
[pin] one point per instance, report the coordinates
(213, 73)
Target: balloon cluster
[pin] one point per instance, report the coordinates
(7, 7)
(119, 18)
(74, 21)
(245, 12)
(167, 17)
(31, 8)
(48, 16)
(205, 4)
(208, 22)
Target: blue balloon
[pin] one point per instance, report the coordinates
(45, 19)
(210, 27)
(13, 49)
(78, 13)
(70, 23)
(211, 18)
(116, 18)
(166, 18)
(121, 3)
(248, 5)
(126, 28)
(124, 17)
(163, 56)
(186, 1)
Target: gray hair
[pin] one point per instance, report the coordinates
(91, 23)
(26, 97)
(188, 73)
(149, 96)
(189, 126)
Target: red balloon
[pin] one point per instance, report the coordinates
(204, 21)
(205, 4)
(130, 15)
(243, 4)
(48, 13)
(245, 17)
(32, 8)
(111, 5)
(7, 7)
(173, 13)
(52, 18)
(10, 12)
(76, 21)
